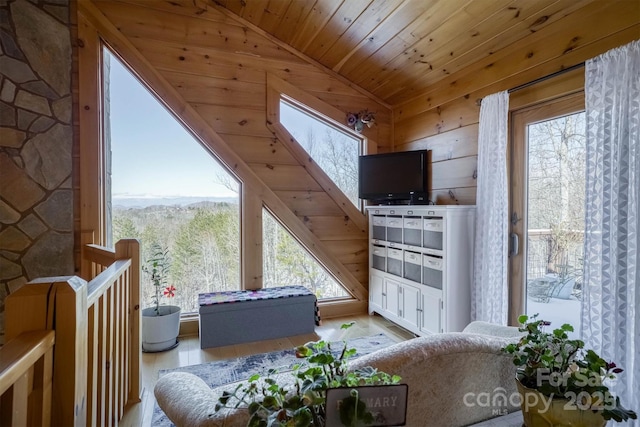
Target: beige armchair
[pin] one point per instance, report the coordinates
(455, 379)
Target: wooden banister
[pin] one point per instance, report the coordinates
(97, 352)
(99, 254)
(22, 352)
(103, 281)
(26, 379)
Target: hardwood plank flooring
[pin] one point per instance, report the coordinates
(189, 353)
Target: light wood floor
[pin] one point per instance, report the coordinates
(189, 353)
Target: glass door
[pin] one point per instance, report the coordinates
(547, 223)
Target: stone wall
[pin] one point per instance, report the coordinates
(36, 140)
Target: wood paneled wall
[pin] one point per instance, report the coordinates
(445, 118)
(212, 72)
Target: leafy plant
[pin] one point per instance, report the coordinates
(303, 404)
(157, 267)
(560, 367)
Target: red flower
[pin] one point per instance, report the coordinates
(170, 291)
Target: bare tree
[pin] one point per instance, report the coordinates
(556, 178)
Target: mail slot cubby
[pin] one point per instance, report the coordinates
(379, 225)
(412, 266)
(394, 229)
(379, 257)
(432, 271)
(432, 233)
(394, 261)
(412, 228)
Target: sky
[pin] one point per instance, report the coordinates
(152, 154)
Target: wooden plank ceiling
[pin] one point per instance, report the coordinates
(397, 49)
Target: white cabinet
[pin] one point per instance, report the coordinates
(395, 299)
(410, 314)
(376, 293)
(421, 266)
(431, 310)
(392, 297)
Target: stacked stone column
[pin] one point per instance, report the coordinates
(36, 140)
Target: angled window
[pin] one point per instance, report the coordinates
(166, 189)
(286, 262)
(335, 151)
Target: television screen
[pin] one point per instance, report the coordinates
(394, 177)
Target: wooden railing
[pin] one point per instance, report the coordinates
(96, 357)
(25, 379)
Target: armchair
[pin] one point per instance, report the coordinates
(451, 378)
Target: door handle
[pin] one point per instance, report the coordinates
(514, 243)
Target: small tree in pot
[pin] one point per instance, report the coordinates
(160, 323)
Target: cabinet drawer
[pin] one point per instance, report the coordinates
(412, 228)
(394, 261)
(412, 266)
(394, 229)
(378, 257)
(432, 233)
(432, 271)
(379, 225)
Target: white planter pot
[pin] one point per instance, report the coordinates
(160, 333)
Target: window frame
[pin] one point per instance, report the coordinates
(93, 32)
(293, 104)
(518, 160)
(277, 90)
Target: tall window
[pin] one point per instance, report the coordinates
(166, 189)
(550, 196)
(335, 151)
(286, 262)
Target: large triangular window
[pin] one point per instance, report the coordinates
(168, 191)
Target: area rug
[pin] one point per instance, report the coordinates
(230, 370)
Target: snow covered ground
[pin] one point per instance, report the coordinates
(557, 311)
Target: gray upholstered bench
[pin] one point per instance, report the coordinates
(236, 317)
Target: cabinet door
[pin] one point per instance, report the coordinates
(376, 292)
(431, 306)
(391, 292)
(410, 297)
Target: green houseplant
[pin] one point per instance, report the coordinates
(160, 323)
(303, 403)
(558, 378)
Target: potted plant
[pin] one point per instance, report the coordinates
(561, 383)
(160, 323)
(304, 403)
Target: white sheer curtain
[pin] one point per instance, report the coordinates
(489, 293)
(611, 288)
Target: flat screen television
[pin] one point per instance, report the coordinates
(394, 178)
